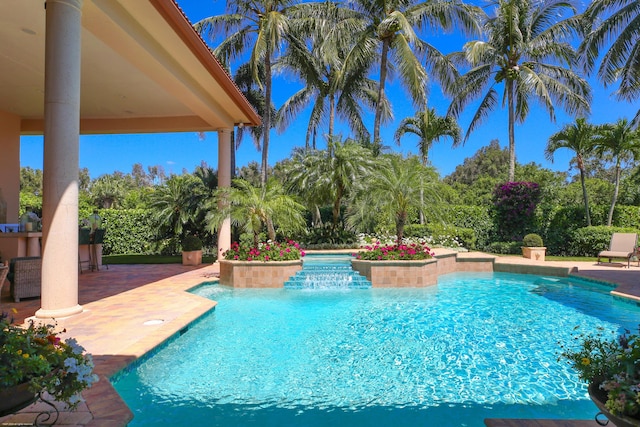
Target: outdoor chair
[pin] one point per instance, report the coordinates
(25, 274)
(622, 245)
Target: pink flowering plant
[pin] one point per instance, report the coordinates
(613, 365)
(36, 354)
(265, 251)
(404, 252)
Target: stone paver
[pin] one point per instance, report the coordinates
(119, 300)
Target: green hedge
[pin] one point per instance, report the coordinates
(588, 241)
(505, 248)
(128, 231)
(443, 234)
(476, 218)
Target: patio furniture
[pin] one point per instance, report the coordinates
(25, 275)
(622, 245)
(84, 250)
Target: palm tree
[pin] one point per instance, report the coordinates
(333, 86)
(429, 127)
(108, 191)
(390, 28)
(328, 176)
(617, 30)
(258, 26)
(177, 204)
(396, 189)
(525, 51)
(622, 142)
(253, 208)
(578, 137)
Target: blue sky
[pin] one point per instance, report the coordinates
(104, 154)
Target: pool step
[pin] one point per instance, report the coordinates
(334, 276)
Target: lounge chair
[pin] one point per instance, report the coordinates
(25, 275)
(622, 245)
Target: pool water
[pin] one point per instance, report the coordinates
(475, 346)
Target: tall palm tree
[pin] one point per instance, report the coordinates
(578, 137)
(429, 127)
(396, 189)
(328, 176)
(526, 52)
(617, 31)
(257, 26)
(333, 86)
(622, 142)
(254, 208)
(391, 28)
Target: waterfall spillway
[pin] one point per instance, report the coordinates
(327, 272)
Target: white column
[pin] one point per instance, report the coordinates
(61, 144)
(224, 180)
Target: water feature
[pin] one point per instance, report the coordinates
(320, 271)
(475, 346)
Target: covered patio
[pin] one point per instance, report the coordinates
(72, 67)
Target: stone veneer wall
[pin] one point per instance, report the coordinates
(257, 274)
(396, 274)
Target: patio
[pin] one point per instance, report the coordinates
(117, 302)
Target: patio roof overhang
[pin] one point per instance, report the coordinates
(143, 69)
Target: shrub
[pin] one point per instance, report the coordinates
(504, 248)
(588, 241)
(191, 243)
(325, 236)
(445, 235)
(532, 240)
(515, 205)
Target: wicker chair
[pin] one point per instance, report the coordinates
(25, 275)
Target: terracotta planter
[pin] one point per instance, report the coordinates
(599, 397)
(192, 258)
(534, 253)
(15, 398)
(398, 274)
(257, 274)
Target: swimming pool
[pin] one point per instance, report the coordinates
(474, 346)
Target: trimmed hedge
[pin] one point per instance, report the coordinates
(443, 234)
(505, 248)
(476, 218)
(588, 241)
(128, 231)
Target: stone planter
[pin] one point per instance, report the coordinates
(534, 253)
(192, 257)
(257, 274)
(398, 274)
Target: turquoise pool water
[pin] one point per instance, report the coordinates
(474, 346)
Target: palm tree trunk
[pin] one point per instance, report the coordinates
(233, 153)
(271, 230)
(383, 76)
(336, 208)
(401, 220)
(332, 115)
(615, 194)
(585, 196)
(266, 119)
(512, 135)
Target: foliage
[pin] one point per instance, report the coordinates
(588, 241)
(265, 251)
(444, 235)
(254, 208)
(325, 235)
(504, 248)
(526, 51)
(36, 354)
(532, 240)
(191, 243)
(515, 205)
(489, 161)
(401, 252)
(127, 231)
(614, 365)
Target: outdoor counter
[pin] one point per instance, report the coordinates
(28, 242)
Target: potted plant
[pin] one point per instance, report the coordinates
(532, 247)
(191, 250)
(611, 367)
(35, 359)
